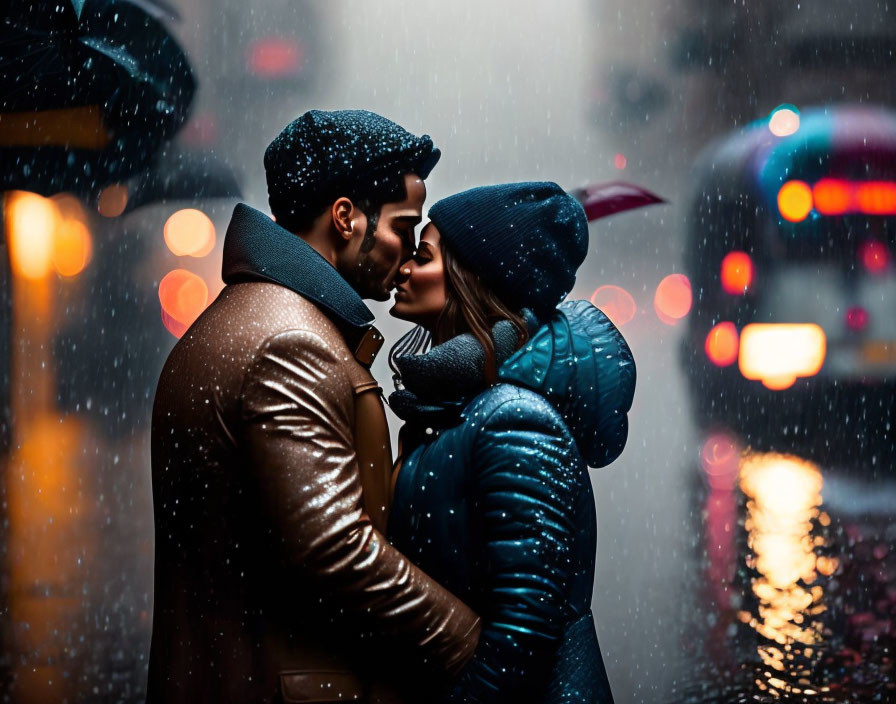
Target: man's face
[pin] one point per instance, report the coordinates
(376, 258)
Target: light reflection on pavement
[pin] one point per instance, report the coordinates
(800, 578)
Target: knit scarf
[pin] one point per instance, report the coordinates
(433, 388)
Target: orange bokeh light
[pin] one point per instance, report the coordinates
(673, 297)
(31, 223)
(876, 197)
(46, 234)
(71, 248)
(190, 232)
(183, 296)
(795, 200)
(616, 303)
(832, 196)
(113, 200)
(722, 344)
(737, 273)
(70, 207)
(72, 245)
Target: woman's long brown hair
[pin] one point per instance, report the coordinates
(474, 308)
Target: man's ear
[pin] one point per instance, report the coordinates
(341, 217)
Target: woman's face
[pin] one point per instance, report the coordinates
(420, 289)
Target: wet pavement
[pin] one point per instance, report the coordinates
(798, 591)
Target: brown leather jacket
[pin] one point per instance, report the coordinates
(271, 468)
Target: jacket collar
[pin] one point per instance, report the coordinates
(258, 249)
(434, 388)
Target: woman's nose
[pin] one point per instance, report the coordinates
(404, 271)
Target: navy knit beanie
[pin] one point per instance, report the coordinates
(524, 240)
(321, 156)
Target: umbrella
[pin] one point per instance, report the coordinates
(603, 199)
(89, 90)
(158, 8)
(182, 175)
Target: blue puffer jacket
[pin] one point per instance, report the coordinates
(493, 498)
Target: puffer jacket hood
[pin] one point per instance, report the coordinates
(580, 362)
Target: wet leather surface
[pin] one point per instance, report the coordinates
(268, 555)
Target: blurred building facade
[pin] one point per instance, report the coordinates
(699, 69)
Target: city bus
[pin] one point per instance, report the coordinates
(791, 239)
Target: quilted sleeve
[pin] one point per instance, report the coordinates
(525, 469)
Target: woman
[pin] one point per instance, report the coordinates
(492, 494)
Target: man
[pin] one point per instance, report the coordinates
(270, 451)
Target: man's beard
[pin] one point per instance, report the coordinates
(367, 281)
(370, 233)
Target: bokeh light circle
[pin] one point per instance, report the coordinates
(784, 121)
(189, 232)
(70, 207)
(737, 273)
(720, 458)
(113, 200)
(722, 344)
(183, 296)
(672, 300)
(31, 222)
(795, 201)
(616, 303)
(72, 248)
(856, 318)
(874, 256)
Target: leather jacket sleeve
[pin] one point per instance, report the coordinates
(524, 482)
(297, 420)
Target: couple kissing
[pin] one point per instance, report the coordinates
(295, 562)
